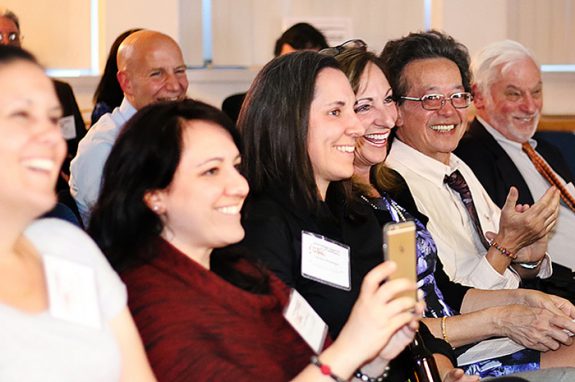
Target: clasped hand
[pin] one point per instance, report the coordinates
(543, 322)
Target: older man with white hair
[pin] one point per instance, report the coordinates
(501, 146)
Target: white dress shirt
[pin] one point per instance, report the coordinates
(562, 237)
(87, 166)
(458, 244)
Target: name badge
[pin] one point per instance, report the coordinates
(68, 127)
(325, 261)
(72, 291)
(306, 322)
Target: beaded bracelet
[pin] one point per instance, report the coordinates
(504, 251)
(366, 378)
(325, 369)
(444, 330)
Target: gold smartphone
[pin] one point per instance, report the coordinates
(399, 246)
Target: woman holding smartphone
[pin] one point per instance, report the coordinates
(300, 218)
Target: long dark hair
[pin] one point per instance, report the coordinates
(274, 123)
(145, 158)
(109, 90)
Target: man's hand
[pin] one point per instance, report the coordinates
(521, 225)
(533, 327)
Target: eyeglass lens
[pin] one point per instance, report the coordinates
(12, 36)
(436, 101)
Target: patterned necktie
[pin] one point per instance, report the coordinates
(457, 182)
(549, 175)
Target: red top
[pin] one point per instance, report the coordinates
(196, 326)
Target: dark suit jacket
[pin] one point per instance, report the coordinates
(495, 169)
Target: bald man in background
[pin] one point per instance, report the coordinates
(150, 69)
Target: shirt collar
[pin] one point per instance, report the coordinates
(429, 168)
(501, 139)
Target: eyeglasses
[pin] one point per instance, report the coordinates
(9, 38)
(437, 101)
(350, 44)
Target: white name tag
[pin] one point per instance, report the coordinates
(305, 321)
(72, 291)
(325, 261)
(68, 127)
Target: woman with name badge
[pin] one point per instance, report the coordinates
(168, 219)
(63, 313)
(299, 131)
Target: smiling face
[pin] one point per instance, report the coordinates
(514, 100)
(31, 145)
(377, 113)
(152, 69)
(333, 129)
(435, 133)
(201, 207)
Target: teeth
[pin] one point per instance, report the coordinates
(376, 137)
(526, 119)
(345, 149)
(443, 127)
(39, 164)
(230, 210)
(169, 99)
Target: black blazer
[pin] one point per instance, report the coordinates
(495, 169)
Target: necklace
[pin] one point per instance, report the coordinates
(395, 210)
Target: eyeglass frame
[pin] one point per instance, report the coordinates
(337, 50)
(16, 37)
(443, 101)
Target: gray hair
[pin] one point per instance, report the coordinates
(5, 12)
(501, 54)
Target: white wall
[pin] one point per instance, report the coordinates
(245, 31)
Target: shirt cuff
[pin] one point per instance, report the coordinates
(486, 277)
(546, 269)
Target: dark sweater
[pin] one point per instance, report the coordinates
(198, 327)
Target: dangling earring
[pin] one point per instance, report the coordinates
(156, 208)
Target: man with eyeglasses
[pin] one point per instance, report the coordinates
(478, 244)
(509, 98)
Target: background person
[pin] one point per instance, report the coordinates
(108, 94)
(508, 97)
(151, 69)
(300, 36)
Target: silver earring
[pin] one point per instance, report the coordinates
(155, 208)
